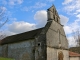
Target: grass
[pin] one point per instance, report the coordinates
(1, 58)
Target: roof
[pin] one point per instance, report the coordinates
(73, 54)
(21, 37)
(75, 49)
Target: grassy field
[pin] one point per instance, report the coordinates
(1, 58)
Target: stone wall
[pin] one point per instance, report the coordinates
(74, 58)
(65, 54)
(56, 36)
(19, 51)
(53, 54)
(0, 51)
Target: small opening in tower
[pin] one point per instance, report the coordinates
(39, 44)
(57, 19)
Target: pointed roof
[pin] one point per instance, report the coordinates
(73, 54)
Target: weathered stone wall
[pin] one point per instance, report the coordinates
(40, 49)
(52, 38)
(22, 50)
(0, 51)
(75, 58)
(5, 50)
(19, 51)
(52, 54)
(65, 54)
(56, 36)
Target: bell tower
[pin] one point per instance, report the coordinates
(52, 14)
(56, 41)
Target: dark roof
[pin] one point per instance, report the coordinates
(75, 49)
(73, 54)
(21, 37)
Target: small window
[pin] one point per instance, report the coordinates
(39, 44)
(57, 19)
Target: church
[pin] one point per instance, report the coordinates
(46, 43)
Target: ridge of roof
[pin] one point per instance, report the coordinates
(21, 37)
(73, 54)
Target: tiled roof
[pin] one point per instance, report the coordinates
(21, 37)
(73, 54)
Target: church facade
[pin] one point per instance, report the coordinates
(46, 43)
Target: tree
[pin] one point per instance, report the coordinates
(2, 35)
(76, 35)
(3, 20)
(3, 15)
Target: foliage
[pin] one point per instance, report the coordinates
(75, 49)
(76, 35)
(1, 58)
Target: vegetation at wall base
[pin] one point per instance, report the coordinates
(1, 58)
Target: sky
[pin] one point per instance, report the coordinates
(26, 15)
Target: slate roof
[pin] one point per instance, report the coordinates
(21, 37)
(73, 54)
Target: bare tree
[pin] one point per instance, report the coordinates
(76, 35)
(2, 35)
(3, 20)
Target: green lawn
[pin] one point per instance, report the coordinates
(1, 58)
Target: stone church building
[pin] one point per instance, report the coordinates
(46, 43)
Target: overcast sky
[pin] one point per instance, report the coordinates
(27, 15)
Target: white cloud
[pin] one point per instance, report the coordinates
(78, 11)
(11, 3)
(50, 0)
(19, 27)
(39, 5)
(78, 15)
(2, 35)
(14, 2)
(41, 17)
(2, 9)
(63, 19)
(67, 29)
(67, 2)
(25, 9)
(71, 5)
(72, 42)
(19, 1)
(4, 2)
(33, 7)
(8, 33)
